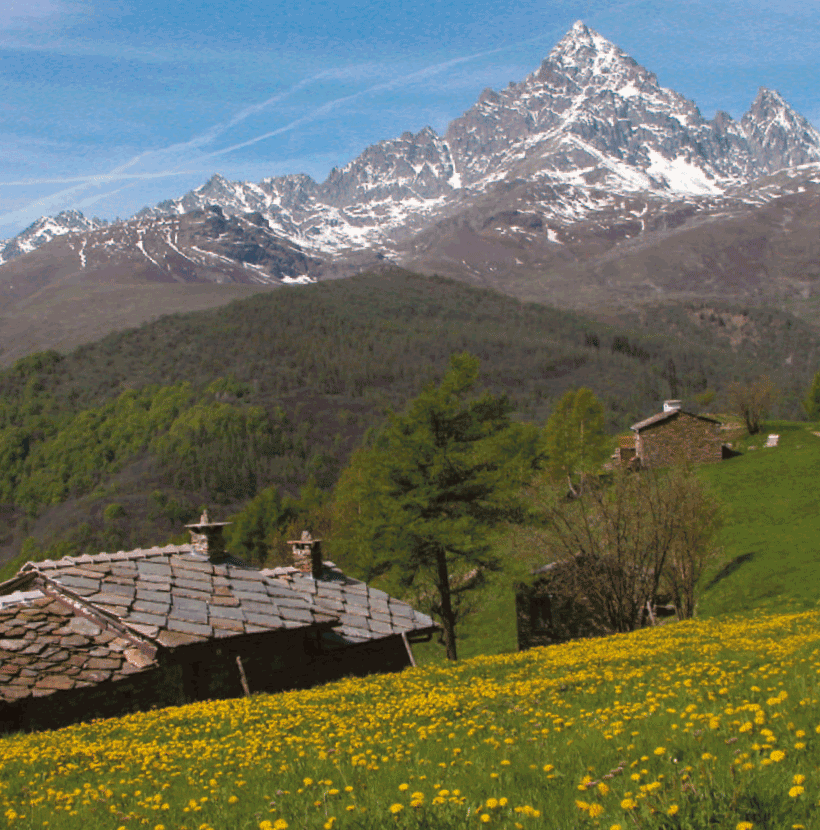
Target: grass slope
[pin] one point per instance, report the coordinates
(772, 523)
(692, 726)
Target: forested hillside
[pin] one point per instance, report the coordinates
(120, 442)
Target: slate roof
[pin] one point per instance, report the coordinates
(364, 613)
(77, 621)
(665, 416)
(45, 646)
(176, 597)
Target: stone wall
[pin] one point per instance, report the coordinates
(680, 438)
(271, 661)
(545, 616)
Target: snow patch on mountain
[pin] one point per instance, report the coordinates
(590, 123)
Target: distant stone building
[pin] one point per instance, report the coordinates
(674, 436)
(97, 636)
(550, 609)
(554, 607)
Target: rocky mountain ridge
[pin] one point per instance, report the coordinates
(589, 120)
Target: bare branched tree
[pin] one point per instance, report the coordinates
(752, 401)
(627, 538)
(698, 518)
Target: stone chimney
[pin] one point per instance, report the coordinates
(207, 539)
(671, 406)
(307, 554)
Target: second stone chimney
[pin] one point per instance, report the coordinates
(671, 406)
(207, 539)
(307, 554)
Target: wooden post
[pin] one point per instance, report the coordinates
(242, 676)
(409, 650)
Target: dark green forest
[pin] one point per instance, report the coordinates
(118, 443)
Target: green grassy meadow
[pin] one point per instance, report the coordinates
(772, 525)
(692, 726)
(770, 541)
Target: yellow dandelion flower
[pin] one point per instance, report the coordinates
(777, 755)
(485, 817)
(595, 810)
(672, 810)
(660, 750)
(795, 791)
(744, 825)
(492, 803)
(395, 809)
(799, 779)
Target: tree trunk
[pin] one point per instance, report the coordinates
(448, 618)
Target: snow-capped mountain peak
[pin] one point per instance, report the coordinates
(777, 135)
(44, 229)
(590, 123)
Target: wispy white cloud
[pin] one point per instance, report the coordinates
(15, 15)
(98, 178)
(330, 106)
(179, 158)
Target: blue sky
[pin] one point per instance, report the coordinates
(110, 105)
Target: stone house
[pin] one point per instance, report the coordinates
(98, 636)
(675, 436)
(553, 606)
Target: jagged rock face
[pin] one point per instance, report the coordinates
(777, 136)
(44, 230)
(589, 119)
(587, 133)
(200, 246)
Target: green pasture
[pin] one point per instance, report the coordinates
(771, 536)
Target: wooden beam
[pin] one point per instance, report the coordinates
(409, 650)
(242, 677)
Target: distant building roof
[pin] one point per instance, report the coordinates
(667, 416)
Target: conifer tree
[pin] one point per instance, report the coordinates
(421, 505)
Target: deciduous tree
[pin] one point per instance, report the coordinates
(811, 403)
(628, 537)
(574, 438)
(752, 401)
